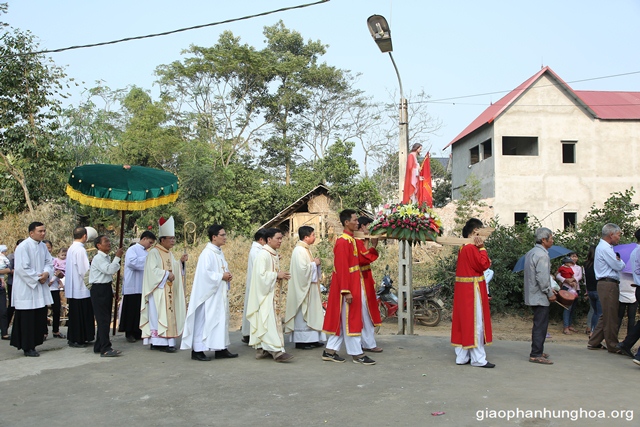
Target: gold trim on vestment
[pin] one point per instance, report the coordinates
(470, 279)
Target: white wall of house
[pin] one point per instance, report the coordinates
(607, 158)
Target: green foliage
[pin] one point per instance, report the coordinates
(91, 131)
(469, 202)
(30, 152)
(441, 181)
(508, 243)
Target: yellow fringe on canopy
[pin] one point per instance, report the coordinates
(120, 205)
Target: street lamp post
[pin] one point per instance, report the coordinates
(379, 29)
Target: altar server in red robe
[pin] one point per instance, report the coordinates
(367, 254)
(471, 320)
(343, 320)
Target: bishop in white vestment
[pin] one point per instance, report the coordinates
(163, 306)
(207, 324)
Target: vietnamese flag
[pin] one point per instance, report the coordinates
(425, 193)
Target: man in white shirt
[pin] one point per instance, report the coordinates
(100, 278)
(31, 295)
(134, 261)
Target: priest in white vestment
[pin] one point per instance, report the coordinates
(256, 246)
(304, 316)
(30, 296)
(266, 326)
(207, 324)
(163, 306)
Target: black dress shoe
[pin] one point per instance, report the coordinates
(304, 346)
(623, 350)
(6, 337)
(31, 353)
(131, 339)
(76, 345)
(317, 344)
(199, 355)
(163, 348)
(245, 339)
(487, 365)
(225, 354)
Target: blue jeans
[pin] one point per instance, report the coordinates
(597, 308)
(567, 315)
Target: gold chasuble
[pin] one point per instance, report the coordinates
(169, 300)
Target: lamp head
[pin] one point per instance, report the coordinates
(380, 32)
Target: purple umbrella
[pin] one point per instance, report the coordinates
(625, 253)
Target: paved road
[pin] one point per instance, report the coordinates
(415, 377)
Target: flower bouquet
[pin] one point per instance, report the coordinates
(411, 222)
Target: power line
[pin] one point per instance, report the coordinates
(435, 101)
(535, 105)
(166, 33)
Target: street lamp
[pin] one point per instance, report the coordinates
(381, 33)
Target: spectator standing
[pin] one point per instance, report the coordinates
(538, 292)
(592, 291)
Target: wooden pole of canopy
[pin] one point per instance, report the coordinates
(117, 294)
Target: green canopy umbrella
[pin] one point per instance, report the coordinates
(123, 188)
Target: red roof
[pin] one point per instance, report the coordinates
(612, 105)
(603, 105)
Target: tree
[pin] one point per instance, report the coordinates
(215, 94)
(91, 132)
(149, 139)
(441, 181)
(296, 74)
(30, 151)
(469, 202)
(379, 138)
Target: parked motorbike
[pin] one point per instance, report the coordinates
(427, 307)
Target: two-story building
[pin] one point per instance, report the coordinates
(549, 151)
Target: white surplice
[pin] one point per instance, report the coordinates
(207, 325)
(253, 253)
(134, 261)
(304, 316)
(266, 327)
(31, 259)
(77, 268)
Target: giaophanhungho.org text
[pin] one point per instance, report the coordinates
(544, 413)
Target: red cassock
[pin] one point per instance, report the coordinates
(365, 258)
(472, 262)
(346, 278)
(410, 178)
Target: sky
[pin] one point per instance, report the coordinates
(449, 49)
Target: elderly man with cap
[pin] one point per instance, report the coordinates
(163, 306)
